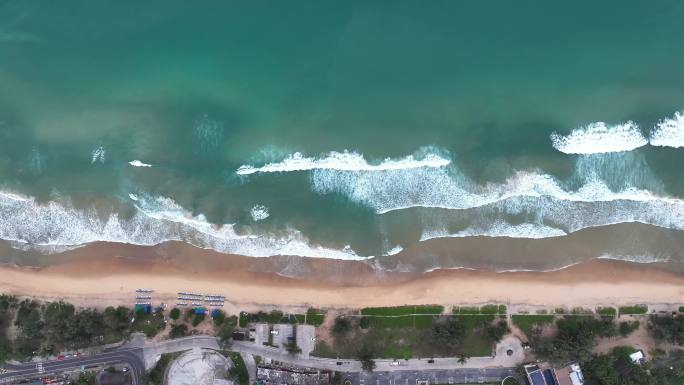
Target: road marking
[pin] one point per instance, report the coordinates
(451, 380)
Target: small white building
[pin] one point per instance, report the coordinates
(637, 357)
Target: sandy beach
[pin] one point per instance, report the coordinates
(112, 281)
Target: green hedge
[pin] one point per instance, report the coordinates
(636, 309)
(315, 317)
(606, 311)
(402, 310)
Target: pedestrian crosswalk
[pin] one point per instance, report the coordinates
(39, 367)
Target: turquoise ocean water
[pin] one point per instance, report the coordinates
(425, 134)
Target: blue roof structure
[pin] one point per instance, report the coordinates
(537, 378)
(548, 376)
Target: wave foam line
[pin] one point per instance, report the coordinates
(599, 138)
(669, 132)
(636, 258)
(345, 161)
(499, 229)
(156, 220)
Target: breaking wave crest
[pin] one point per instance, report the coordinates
(599, 138)
(669, 132)
(156, 220)
(347, 161)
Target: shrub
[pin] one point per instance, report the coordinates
(606, 311)
(197, 319)
(175, 313)
(627, 328)
(636, 309)
(178, 331)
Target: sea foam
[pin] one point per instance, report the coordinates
(58, 224)
(499, 229)
(669, 132)
(345, 161)
(526, 196)
(98, 155)
(259, 213)
(599, 137)
(137, 163)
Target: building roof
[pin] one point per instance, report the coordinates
(534, 375)
(570, 374)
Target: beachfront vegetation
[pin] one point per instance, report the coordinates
(402, 310)
(367, 358)
(401, 336)
(198, 319)
(606, 311)
(148, 323)
(636, 309)
(225, 331)
(669, 329)
(617, 368)
(530, 323)
(178, 331)
(574, 339)
(175, 313)
(486, 309)
(313, 317)
(628, 327)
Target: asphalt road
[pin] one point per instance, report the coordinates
(132, 357)
(429, 377)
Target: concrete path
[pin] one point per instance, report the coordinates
(500, 360)
(251, 366)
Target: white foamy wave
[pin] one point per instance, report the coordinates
(600, 138)
(157, 220)
(98, 155)
(259, 212)
(345, 161)
(403, 189)
(500, 229)
(528, 197)
(137, 163)
(636, 258)
(16, 197)
(669, 132)
(395, 250)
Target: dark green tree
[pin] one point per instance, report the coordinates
(449, 331)
(367, 358)
(341, 327)
(175, 313)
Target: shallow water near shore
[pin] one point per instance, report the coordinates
(405, 138)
